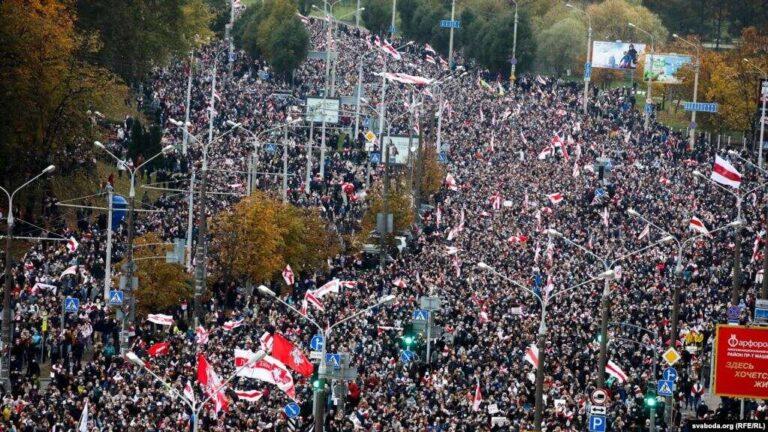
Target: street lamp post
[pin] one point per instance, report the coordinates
(194, 407)
(7, 337)
(736, 286)
(604, 299)
(696, 69)
(450, 37)
(319, 396)
(764, 284)
(542, 332)
(129, 266)
(648, 97)
(514, 51)
(763, 94)
(589, 53)
(681, 245)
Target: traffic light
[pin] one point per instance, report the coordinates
(650, 398)
(408, 337)
(318, 383)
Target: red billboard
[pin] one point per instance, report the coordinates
(741, 362)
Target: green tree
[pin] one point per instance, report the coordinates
(561, 46)
(141, 34)
(47, 88)
(221, 12)
(377, 15)
(611, 17)
(273, 31)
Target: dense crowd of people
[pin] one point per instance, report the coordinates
(519, 144)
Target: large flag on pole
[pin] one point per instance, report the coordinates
(268, 369)
(211, 383)
(725, 173)
(697, 225)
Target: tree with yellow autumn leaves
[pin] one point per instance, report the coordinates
(161, 284)
(254, 239)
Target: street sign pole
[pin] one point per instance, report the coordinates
(764, 97)
(450, 40)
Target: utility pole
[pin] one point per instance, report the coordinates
(514, 51)
(5, 367)
(450, 38)
(190, 217)
(108, 257)
(185, 142)
(127, 268)
(589, 54)
(285, 163)
(649, 98)
(202, 231)
(696, 69)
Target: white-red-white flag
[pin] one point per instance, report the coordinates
(201, 335)
(387, 48)
(231, 325)
(615, 371)
(697, 225)
(532, 355)
(189, 393)
(288, 275)
(478, 398)
(331, 286)
(72, 244)
(249, 395)
(211, 383)
(429, 49)
(450, 182)
(160, 319)
(555, 198)
(266, 341)
(725, 173)
(400, 283)
(605, 217)
(268, 369)
(576, 170)
(311, 298)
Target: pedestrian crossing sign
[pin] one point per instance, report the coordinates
(115, 298)
(671, 356)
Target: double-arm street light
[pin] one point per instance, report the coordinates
(648, 96)
(764, 284)
(608, 264)
(542, 332)
(7, 337)
(129, 266)
(319, 393)
(736, 286)
(589, 52)
(763, 95)
(696, 69)
(681, 245)
(193, 405)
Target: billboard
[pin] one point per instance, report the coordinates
(616, 55)
(317, 108)
(741, 362)
(664, 67)
(399, 152)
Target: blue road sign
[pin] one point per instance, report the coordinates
(317, 343)
(450, 24)
(596, 423)
(733, 314)
(375, 157)
(232, 56)
(71, 304)
(333, 360)
(115, 298)
(392, 29)
(421, 314)
(710, 107)
(291, 410)
(406, 356)
(761, 309)
(665, 388)
(587, 70)
(648, 109)
(442, 157)
(670, 374)
(270, 148)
